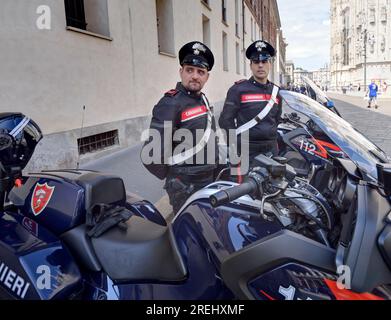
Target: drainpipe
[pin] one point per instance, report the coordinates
(277, 77)
(262, 19)
(244, 42)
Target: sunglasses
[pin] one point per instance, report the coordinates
(257, 61)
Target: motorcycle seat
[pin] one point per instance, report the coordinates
(145, 252)
(102, 188)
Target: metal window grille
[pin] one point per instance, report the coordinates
(75, 14)
(98, 142)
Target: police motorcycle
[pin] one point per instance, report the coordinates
(75, 234)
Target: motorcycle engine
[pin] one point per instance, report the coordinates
(302, 209)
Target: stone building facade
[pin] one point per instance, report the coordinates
(360, 43)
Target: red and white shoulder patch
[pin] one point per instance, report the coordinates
(240, 81)
(193, 113)
(171, 93)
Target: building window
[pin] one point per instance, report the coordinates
(224, 10)
(225, 52)
(89, 15)
(383, 14)
(372, 15)
(244, 20)
(98, 142)
(237, 58)
(75, 14)
(206, 30)
(165, 26)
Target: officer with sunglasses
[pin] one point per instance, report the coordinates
(254, 105)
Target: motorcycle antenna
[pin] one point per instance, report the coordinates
(81, 136)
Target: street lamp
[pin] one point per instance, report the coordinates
(365, 57)
(337, 67)
(368, 39)
(336, 72)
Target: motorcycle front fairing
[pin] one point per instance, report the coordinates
(364, 153)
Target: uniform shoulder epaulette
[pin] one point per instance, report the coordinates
(273, 84)
(171, 93)
(240, 81)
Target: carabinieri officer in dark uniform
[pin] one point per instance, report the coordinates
(254, 105)
(186, 107)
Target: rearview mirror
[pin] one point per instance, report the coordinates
(330, 104)
(384, 177)
(5, 141)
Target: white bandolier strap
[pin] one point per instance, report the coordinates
(18, 129)
(247, 126)
(182, 157)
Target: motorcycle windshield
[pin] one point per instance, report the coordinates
(320, 95)
(364, 153)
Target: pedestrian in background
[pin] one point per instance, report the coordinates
(372, 94)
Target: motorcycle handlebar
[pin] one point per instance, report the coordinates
(226, 196)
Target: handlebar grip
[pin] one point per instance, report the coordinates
(226, 196)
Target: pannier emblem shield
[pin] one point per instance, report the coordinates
(41, 196)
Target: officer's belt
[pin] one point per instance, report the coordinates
(262, 115)
(192, 170)
(188, 154)
(260, 143)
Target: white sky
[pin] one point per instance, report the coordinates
(306, 28)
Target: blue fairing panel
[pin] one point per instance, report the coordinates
(33, 263)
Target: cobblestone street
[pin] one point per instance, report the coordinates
(375, 124)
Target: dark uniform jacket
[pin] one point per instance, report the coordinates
(245, 100)
(185, 110)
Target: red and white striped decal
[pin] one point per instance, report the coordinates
(193, 113)
(343, 294)
(248, 98)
